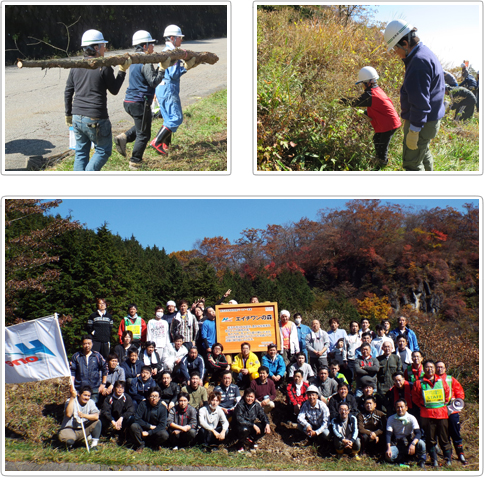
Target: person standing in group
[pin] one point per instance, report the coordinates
(317, 343)
(100, 326)
(421, 95)
(289, 337)
(158, 331)
(168, 92)
(89, 368)
(185, 324)
(431, 393)
(456, 391)
(86, 104)
(143, 79)
(135, 324)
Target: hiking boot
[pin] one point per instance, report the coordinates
(120, 142)
(94, 448)
(421, 464)
(135, 165)
(70, 444)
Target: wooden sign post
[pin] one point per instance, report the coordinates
(255, 323)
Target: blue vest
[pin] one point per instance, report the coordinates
(138, 88)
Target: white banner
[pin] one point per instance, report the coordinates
(35, 351)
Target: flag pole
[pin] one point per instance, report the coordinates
(72, 383)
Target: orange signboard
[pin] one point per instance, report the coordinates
(256, 323)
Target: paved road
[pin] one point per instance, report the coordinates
(28, 467)
(34, 105)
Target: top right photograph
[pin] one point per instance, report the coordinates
(351, 88)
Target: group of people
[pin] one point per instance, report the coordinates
(358, 392)
(464, 96)
(421, 98)
(86, 100)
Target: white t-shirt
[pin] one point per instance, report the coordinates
(158, 331)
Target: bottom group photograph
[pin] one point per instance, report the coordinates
(227, 335)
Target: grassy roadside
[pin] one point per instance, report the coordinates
(199, 145)
(33, 412)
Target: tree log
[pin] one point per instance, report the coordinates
(136, 58)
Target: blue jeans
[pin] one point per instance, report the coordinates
(97, 131)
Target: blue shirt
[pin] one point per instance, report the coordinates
(423, 89)
(276, 366)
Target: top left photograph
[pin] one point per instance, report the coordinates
(115, 88)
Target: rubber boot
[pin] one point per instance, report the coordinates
(355, 455)
(339, 453)
(459, 449)
(433, 457)
(448, 457)
(162, 140)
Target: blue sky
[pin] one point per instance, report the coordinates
(176, 224)
(451, 31)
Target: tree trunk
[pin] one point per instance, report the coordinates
(137, 58)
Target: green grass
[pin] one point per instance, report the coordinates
(200, 144)
(33, 412)
(455, 148)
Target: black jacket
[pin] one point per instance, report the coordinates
(245, 415)
(169, 394)
(334, 403)
(100, 327)
(147, 415)
(90, 88)
(113, 409)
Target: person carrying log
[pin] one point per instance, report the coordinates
(168, 92)
(143, 79)
(86, 104)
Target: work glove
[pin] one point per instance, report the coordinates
(125, 66)
(412, 139)
(165, 64)
(190, 63)
(446, 105)
(69, 120)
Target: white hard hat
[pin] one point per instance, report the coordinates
(395, 31)
(312, 389)
(141, 37)
(172, 30)
(367, 74)
(92, 37)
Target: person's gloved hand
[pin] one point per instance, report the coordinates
(69, 120)
(412, 139)
(190, 63)
(125, 66)
(165, 64)
(446, 105)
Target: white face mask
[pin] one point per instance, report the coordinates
(298, 321)
(159, 314)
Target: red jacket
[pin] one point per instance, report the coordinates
(122, 327)
(382, 112)
(291, 394)
(417, 397)
(457, 389)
